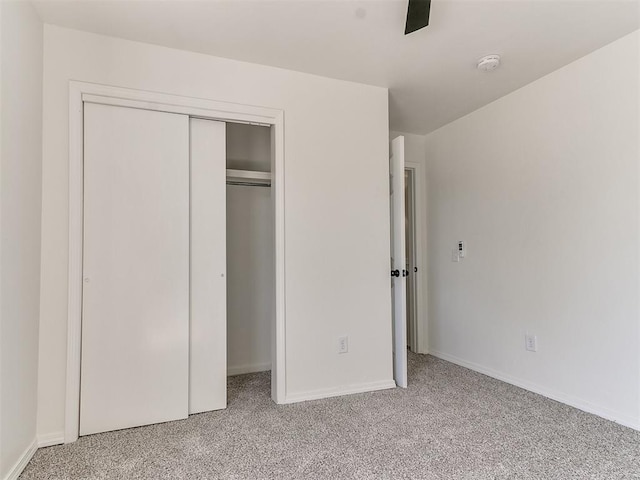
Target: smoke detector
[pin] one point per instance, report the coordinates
(489, 63)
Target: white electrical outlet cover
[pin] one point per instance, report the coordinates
(531, 343)
(343, 345)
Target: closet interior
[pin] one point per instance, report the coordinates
(250, 249)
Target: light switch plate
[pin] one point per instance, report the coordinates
(462, 249)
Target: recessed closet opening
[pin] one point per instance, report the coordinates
(250, 250)
(176, 260)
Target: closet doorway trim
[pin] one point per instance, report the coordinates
(80, 92)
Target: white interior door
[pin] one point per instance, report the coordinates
(208, 337)
(135, 312)
(399, 272)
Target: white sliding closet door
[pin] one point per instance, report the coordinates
(135, 318)
(208, 352)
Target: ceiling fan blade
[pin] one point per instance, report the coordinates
(417, 15)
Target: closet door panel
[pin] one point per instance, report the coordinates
(135, 324)
(208, 351)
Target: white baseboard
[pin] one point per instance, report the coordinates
(16, 470)
(253, 368)
(49, 439)
(580, 404)
(337, 392)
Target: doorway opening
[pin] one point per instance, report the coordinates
(250, 259)
(406, 259)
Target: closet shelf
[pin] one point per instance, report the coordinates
(248, 177)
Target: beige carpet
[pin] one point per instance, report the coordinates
(451, 423)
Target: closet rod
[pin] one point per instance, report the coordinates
(249, 184)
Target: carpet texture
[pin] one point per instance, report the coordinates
(451, 423)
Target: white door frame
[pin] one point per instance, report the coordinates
(410, 253)
(80, 92)
(421, 319)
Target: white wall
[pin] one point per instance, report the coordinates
(250, 278)
(250, 254)
(20, 199)
(414, 152)
(248, 147)
(543, 186)
(336, 213)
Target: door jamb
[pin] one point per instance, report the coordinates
(412, 279)
(79, 92)
(421, 318)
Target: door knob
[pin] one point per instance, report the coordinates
(405, 273)
(395, 273)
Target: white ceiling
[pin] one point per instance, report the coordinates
(431, 73)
